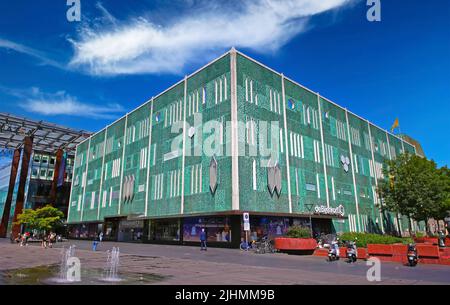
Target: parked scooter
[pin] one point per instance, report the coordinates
(352, 252)
(333, 253)
(412, 255)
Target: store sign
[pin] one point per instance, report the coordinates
(324, 210)
(246, 218)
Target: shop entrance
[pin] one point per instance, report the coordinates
(130, 230)
(321, 226)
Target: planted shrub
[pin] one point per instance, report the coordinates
(368, 238)
(298, 232)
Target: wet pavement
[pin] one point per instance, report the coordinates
(190, 266)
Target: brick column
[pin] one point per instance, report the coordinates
(27, 148)
(59, 155)
(12, 183)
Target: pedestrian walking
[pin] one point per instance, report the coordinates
(100, 236)
(44, 241)
(203, 240)
(94, 244)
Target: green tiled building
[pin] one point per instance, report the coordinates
(145, 177)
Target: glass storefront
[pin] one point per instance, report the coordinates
(130, 230)
(110, 231)
(273, 226)
(218, 229)
(88, 230)
(164, 230)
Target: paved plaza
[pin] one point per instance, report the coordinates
(190, 266)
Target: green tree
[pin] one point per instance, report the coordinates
(445, 208)
(415, 187)
(42, 219)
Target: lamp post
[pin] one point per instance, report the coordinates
(309, 207)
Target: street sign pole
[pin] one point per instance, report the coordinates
(246, 218)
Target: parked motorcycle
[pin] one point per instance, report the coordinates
(333, 253)
(352, 253)
(412, 255)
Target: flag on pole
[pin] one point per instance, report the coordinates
(395, 125)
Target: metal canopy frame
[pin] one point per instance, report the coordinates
(47, 137)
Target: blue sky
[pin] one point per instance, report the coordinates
(86, 74)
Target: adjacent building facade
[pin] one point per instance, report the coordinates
(280, 152)
(37, 159)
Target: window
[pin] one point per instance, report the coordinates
(115, 168)
(318, 186)
(329, 155)
(44, 160)
(341, 130)
(332, 188)
(215, 92)
(296, 146)
(203, 95)
(37, 158)
(281, 140)
(79, 203)
(158, 186)
(251, 91)
(254, 175)
(356, 140)
(196, 179)
(143, 158)
(92, 200)
(316, 151)
(105, 196)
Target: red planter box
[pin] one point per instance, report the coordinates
(321, 252)
(399, 252)
(295, 244)
(426, 240)
(431, 240)
(362, 253)
(379, 249)
(427, 251)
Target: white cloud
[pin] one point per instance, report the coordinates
(20, 48)
(140, 46)
(61, 103)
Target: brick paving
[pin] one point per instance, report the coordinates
(190, 266)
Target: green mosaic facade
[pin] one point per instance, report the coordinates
(328, 156)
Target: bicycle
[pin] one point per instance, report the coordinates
(264, 246)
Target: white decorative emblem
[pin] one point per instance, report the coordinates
(345, 163)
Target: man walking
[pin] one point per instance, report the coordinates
(95, 243)
(203, 240)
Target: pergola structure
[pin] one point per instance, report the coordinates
(23, 136)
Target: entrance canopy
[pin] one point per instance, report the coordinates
(47, 137)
